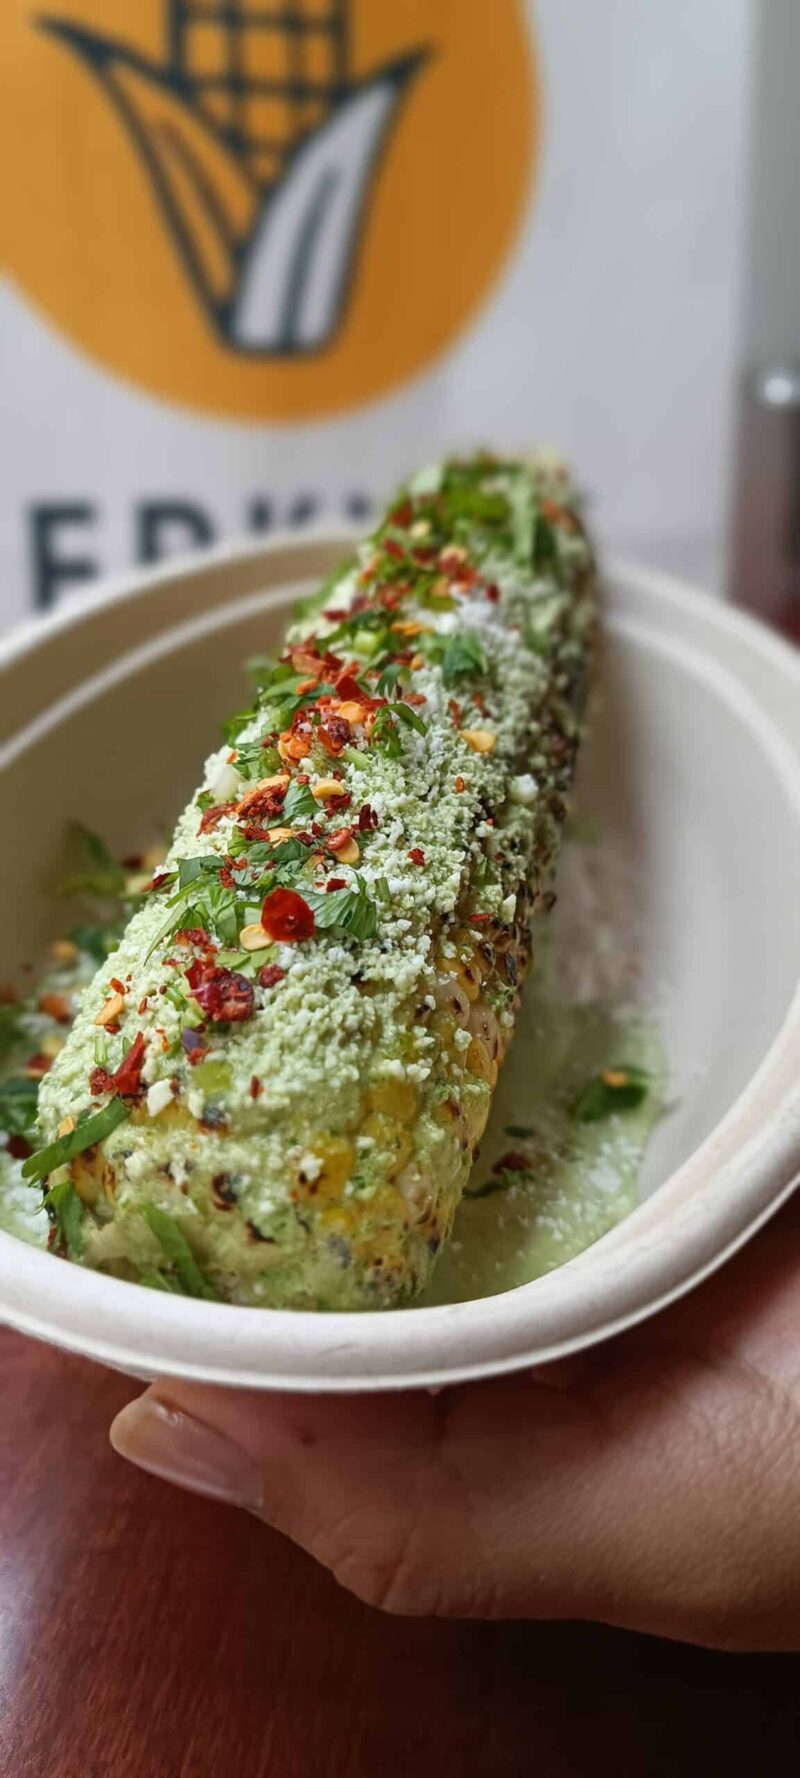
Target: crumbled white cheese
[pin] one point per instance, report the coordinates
(159, 1096)
(524, 788)
(223, 780)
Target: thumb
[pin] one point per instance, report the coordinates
(416, 1503)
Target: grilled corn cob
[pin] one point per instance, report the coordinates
(274, 1088)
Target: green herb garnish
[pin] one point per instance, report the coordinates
(616, 1089)
(67, 1210)
(298, 803)
(384, 729)
(345, 910)
(179, 1253)
(93, 1128)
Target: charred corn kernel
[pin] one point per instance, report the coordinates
(325, 1169)
(320, 1133)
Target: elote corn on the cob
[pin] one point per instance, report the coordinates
(274, 1088)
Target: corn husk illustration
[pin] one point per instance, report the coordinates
(262, 180)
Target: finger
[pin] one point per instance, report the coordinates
(418, 1504)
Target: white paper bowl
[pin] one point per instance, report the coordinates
(106, 711)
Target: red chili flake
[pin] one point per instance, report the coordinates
(512, 1163)
(316, 829)
(338, 840)
(413, 697)
(116, 983)
(128, 1078)
(223, 994)
(455, 711)
(270, 975)
(212, 817)
(479, 919)
(424, 556)
(391, 597)
(334, 735)
(259, 804)
(334, 615)
(164, 876)
(479, 701)
(127, 1081)
(226, 877)
(349, 690)
(367, 818)
(460, 785)
(255, 1087)
(493, 593)
(18, 1148)
(335, 883)
(142, 1007)
(402, 515)
(286, 917)
(417, 855)
(395, 550)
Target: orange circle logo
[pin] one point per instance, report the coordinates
(266, 211)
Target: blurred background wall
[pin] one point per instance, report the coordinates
(257, 274)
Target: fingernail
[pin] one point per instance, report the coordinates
(180, 1449)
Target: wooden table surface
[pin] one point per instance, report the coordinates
(147, 1634)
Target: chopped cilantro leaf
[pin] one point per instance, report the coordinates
(384, 729)
(298, 803)
(346, 910)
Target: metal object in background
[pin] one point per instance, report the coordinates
(765, 567)
(765, 527)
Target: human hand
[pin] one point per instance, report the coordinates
(652, 1483)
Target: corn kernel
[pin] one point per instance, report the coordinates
(396, 1098)
(478, 1060)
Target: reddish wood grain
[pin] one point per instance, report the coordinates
(148, 1634)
